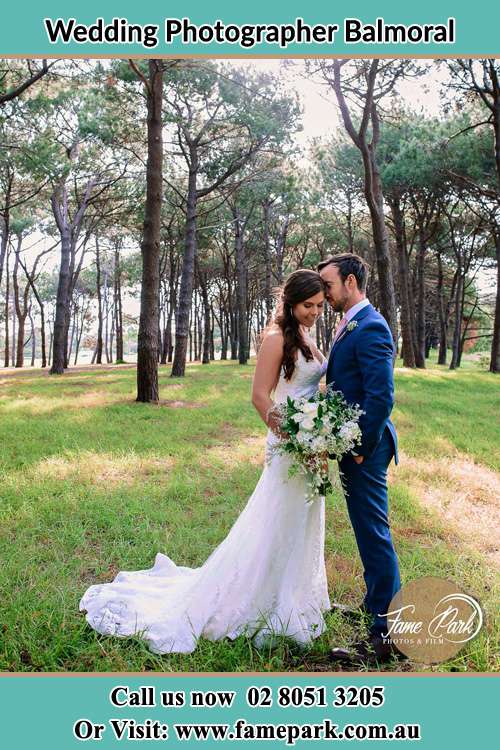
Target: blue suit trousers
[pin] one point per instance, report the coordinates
(365, 488)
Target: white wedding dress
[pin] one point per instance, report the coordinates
(267, 577)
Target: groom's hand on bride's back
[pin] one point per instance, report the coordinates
(359, 459)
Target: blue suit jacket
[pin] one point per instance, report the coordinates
(361, 366)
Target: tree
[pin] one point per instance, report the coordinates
(147, 342)
(14, 81)
(482, 79)
(367, 82)
(223, 120)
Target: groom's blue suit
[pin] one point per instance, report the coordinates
(361, 366)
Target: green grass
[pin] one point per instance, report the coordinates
(92, 483)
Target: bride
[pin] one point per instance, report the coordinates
(268, 575)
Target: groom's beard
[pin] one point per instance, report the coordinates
(337, 305)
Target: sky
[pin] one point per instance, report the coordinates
(321, 114)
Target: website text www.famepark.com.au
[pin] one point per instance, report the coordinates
(291, 733)
(241, 730)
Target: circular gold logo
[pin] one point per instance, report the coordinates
(430, 619)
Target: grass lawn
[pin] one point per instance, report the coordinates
(92, 483)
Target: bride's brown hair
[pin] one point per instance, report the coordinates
(299, 286)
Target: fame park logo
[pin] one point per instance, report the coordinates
(431, 619)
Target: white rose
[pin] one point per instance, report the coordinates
(310, 408)
(302, 438)
(307, 423)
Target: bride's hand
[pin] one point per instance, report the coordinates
(274, 420)
(274, 424)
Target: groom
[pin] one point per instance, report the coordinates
(361, 367)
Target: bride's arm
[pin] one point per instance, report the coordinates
(266, 377)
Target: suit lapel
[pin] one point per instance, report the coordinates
(359, 316)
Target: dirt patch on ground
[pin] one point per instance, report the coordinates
(465, 495)
(180, 404)
(251, 450)
(101, 468)
(340, 568)
(31, 372)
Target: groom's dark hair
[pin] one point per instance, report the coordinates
(348, 263)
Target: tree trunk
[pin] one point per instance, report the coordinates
(280, 249)
(7, 291)
(106, 317)
(206, 318)
(443, 323)
(168, 336)
(420, 322)
(186, 289)
(495, 344)
(43, 336)
(67, 323)
(31, 281)
(212, 330)
(18, 355)
(241, 289)
(98, 352)
(233, 335)
(14, 334)
(195, 326)
(21, 312)
(224, 324)
(147, 343)
(5, 223)
(372, 187)
(4, 241)
(59, 342)
(118, 309)
(172, 304)
(200, 324)
(74, 331)
(374, 197)
(111, 336)
(80, 330)
(33, 339)
(51, 340)
(455, 356)
(268, 294)
(164, 347)
(404, 283)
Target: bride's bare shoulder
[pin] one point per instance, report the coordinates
(273, 330)
(273, 335)
(272, 341)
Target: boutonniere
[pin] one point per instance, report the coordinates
(352, 325)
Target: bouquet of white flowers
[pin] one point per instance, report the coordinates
(317, 428)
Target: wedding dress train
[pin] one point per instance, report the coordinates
(267, 576)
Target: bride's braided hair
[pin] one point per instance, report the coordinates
(299, 286)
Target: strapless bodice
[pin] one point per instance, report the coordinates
(304, 381)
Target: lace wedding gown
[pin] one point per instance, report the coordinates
(267, 576)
